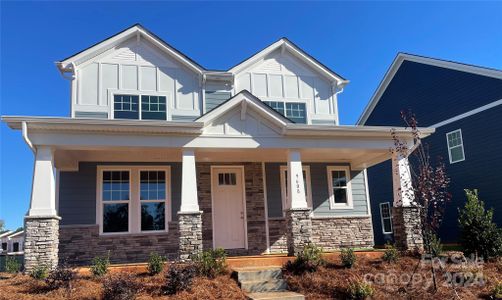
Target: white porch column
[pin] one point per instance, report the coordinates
(401, 179)
(43, 191)
(189, 202)
(296, 186)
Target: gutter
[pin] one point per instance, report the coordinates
(26, 138)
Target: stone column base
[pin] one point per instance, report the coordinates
(407, 228)
(41, 242)
(190, 228)
(298, 229)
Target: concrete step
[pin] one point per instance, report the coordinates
(271, 285)
(258, 273)
(286, 295)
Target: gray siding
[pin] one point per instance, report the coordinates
(320, 196)
(77, 192)
(91, 114)
(323, 122)
(215, 98)
(183, 118)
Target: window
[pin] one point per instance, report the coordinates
(15, 247)
(386, 217)
(133, 199)
(153, 200)
(306, 185)
(339, 188)
(295, 111)
(227, 179)
(126, 106)
(455, 146)
(153, 107)
(4, 246)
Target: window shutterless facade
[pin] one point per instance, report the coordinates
(306, 184)
(133, 199)
(386, 217)
(455, 145)
(295, 111)
(339, 187)
(151, 107)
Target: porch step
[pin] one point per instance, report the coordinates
(258, 273)
(271, 285)
(275, 296)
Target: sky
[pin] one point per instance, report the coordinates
(358, 40)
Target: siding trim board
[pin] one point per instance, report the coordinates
(467, 114)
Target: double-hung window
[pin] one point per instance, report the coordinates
(126, 106)
(153, 107)
(129, 107)
(133, 199)
(455, 146)
(339, 187)
(306, 185)
(386, 217)
(295, 111)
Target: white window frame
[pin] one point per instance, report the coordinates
(134, 202)
(332, 204)
(450, 148)
(113, 92)
(382, 218)
(308, 192)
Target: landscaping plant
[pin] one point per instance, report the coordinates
(479, 235)
(62, 276)
(211, 263)
(121, 286)
(359, 290)
(348, 257)
(100, 266)
(12, 265)
(179, 278)
(307, 260)
(391, 255)
(496, 292)
(39, 272)
(155, 263)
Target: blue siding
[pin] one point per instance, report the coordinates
(177, 118)
(215, 98)
(435, 94)
(91, 114)
(77, 192)
(320, 196)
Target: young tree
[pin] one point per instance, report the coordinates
(2, 225)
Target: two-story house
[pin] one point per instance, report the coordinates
(12, 242)
(161, 154)
(463, 103)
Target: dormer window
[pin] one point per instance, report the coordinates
(295, 111)
(152, 107)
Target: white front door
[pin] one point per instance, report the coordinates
(229, 230)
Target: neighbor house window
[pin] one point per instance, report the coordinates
(15, 247)
(295, 111)
(455, 146)
(4, 246)
(339, 187)
(153, 107)
(126, 106)
(133, 199)
(386, 217)
(306, 185)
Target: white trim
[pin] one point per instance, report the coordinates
(243, 183)
(468, 114)
(367, 191)
(348, 188)
(265, 202)
(134, 202)
(382, 218)
(284, 199)
(396, 64)
(450, 148)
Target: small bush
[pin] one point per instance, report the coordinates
(179, 278)
(62, 276)
(12, 265)
(496, 292)
(39, 272)
(432, 244)
(211, 263)
(391, 254)
(348, 257)
(478, 233)
(121, 286)
(100, 266)
(359, 290)
(155, 263)
(307, 260)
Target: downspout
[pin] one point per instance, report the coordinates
(335, 101)
(26, 138)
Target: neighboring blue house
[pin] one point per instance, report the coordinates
(463, 102)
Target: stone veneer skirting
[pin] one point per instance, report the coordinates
(41, 242)
(406, 222)
(190, 234)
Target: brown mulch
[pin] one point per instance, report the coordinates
(392, 280)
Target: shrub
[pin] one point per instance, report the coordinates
(39, 272)
(179, 278)
(496, 292)
(155, 263)
(121, 286)
(62, 276)
(348, 257)
(211, 263)
(307, 260)
(391, 254)
(12, 265)
(478, 233)
(100, 266)
(359, 290)
(432, 244)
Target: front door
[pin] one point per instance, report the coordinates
(229, 231)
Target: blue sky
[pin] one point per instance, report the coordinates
(358, 40)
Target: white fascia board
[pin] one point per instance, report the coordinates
(15, 234)
(353, 131)
(6, 234)
(396, 64)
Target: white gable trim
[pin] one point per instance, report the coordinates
(396, 64)
(284, 44)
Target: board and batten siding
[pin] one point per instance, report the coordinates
(77, 192)
(320, 193)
